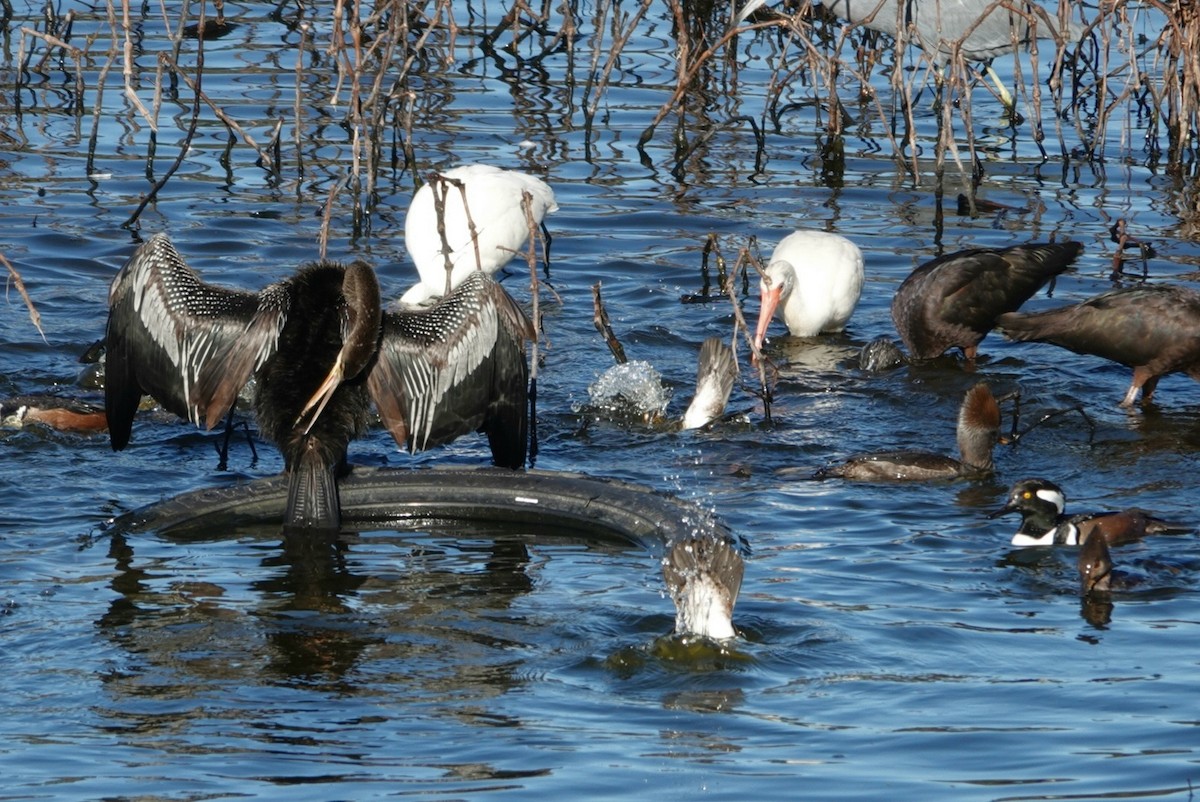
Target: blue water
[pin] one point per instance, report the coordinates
(892, 646)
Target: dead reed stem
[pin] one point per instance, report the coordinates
(623, 29)
(536, 314)
(127, 72)
(15, 279)
(601, 322)
(369, 53)
(187, 139)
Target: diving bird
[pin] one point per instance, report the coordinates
(978, 433)
(954, 300)
(1044, 522)
(1152, 328)
(321, 349)
(704, 576)
(470, 217)
(715, 375)
(812, 282)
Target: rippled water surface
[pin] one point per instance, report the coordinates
(892, 646)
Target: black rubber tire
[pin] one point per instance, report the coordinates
(561, 502)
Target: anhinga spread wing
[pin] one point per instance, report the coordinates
(190, 345)
(454, 368)
(319, 344)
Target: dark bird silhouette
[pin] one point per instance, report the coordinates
(321, 349)
(978, 433)
(1044, 522)
(1095, 566)
(1154, 329)
(953, 301)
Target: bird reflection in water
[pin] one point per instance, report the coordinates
(320, 612)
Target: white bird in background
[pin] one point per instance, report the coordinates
(813, 282)
(493, 210)
(980, 30)
(937, 26)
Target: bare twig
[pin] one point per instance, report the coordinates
(183, 149)
(15, 277)
(600, 320)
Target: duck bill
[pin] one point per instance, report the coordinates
(1005, 510)
(766, 312)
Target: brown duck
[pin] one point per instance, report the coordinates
(978, 433)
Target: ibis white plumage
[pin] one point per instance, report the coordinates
(812, 282)
(471, 217)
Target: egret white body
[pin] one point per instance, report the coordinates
(483, 233)
(812, 283)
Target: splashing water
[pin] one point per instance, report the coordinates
(633, 389)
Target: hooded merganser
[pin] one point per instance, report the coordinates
(953, 301)
(483, 224)
(321, 349)
(65, 414)
(1042, 505)
(978, 433)
(714, 382)
(1154, 329)
(812, 282)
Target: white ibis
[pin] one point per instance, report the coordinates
(482, 224)
(813, 282)
(321, 350)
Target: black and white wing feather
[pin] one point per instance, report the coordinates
(456, 367)
(190, 345)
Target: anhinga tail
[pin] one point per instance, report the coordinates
(312, 493)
